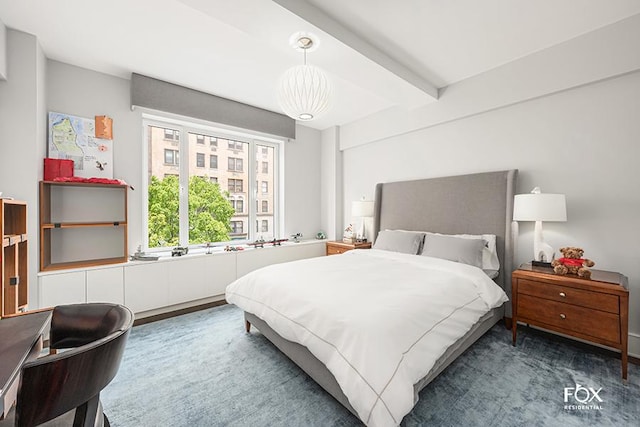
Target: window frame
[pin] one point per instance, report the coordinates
(184, 126)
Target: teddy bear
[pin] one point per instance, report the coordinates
(573, 263)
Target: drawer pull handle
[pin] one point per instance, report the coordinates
(562, 294)
(562, 316)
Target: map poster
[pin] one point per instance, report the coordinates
(72, 137)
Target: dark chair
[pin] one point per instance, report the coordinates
(64, 388)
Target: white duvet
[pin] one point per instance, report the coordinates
(378, 320)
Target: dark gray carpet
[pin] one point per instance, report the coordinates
(202, 369)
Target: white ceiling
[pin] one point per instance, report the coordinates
(238, 49)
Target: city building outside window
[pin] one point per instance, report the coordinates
(265, 206)
(265, 187)
(212, 210)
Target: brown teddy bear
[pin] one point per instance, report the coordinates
(573, 263)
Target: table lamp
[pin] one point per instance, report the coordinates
(538, 207)
(362, 209)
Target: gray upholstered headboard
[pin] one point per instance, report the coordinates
(480, 203)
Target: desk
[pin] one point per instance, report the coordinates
(20, 340)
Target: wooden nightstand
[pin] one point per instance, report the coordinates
(595, 310)
(335, 248)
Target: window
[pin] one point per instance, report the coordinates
(265, 226)
(235, 145)
(236, 227)
(200, 160)
(171, 134)
(265, 206)
(235, 185)
(171, 157)
(265, 187)
(238, 205)
(235, 164)
(265, 167)
(186, 205)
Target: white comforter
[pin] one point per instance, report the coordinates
(378, 320)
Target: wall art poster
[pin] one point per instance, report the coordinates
(73, 137)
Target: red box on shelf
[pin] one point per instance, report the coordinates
(55, 168)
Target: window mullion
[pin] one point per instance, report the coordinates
(252, 191)
(184, 186)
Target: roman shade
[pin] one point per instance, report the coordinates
(164, 96)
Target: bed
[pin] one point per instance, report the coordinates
(476, 204)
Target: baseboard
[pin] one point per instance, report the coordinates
(634, 347)
(176, 310)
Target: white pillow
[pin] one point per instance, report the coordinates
(407, 242)
(490, 259)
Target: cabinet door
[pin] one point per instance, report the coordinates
(106, 285)
(146, 286)
(220, 272)
(63, 288)
(260, 257)
(187, 279)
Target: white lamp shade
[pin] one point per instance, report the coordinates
(362, 208)
(304, 92)
(539, 207)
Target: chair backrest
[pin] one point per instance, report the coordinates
(55, 384)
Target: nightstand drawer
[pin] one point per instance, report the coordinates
(334, 250)
(570, 318)
(583, 298)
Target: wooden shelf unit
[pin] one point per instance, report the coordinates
(76, 217)
(14, 257)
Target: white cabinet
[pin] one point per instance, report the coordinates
(62, 288)
(220, 271)
(105, 285)
(261, 257)
(146, 286)
(187, 279)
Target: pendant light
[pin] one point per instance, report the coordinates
(304, 90)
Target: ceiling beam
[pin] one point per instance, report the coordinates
(326, 23)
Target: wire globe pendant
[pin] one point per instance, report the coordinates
(304, 90)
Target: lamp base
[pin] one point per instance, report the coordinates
(541, 264)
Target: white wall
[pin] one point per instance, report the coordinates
(3, 51)
(331, 183)
(302, 183)
(22, 126)
(581, 142)
(83, 92)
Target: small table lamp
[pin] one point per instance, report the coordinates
(361, 209)
(538, 207)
